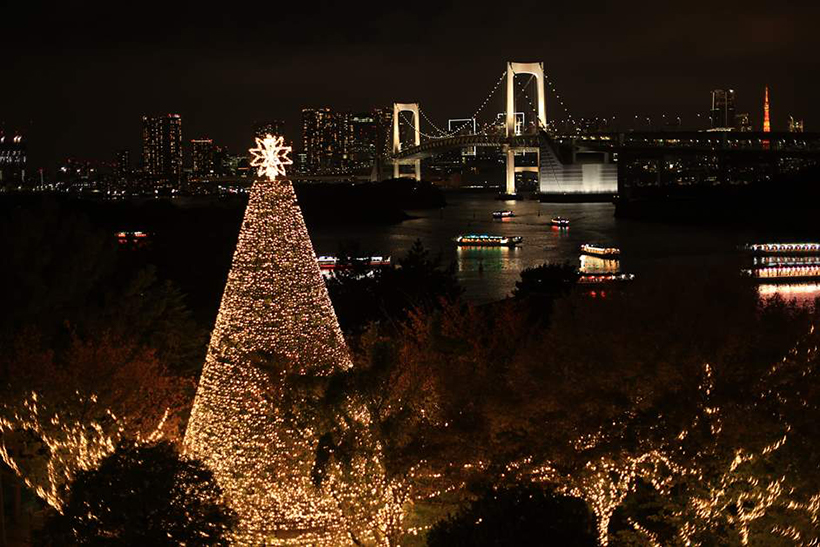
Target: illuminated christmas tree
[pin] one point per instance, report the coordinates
(275, 320)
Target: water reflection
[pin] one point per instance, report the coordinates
(598, 265)
(802, 293)
(490, 259)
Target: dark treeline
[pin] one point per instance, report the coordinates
(513, 407)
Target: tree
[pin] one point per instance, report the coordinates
(547, 281)
(390, 293)
(93, 348)
(142, 495)
(519, 516)
(652, 384)
(61, 416)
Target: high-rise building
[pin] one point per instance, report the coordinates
(202, 156)
(384, 124)
(363, 147)
(795, 126)
(318, 139)
(743, 122)
(122, 163)
(767, 127)
(270, 127)
(342, 140)
(12, 158)
(722, 114)
(162, 145)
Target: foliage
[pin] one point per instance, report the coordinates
(142, 495)
(389, 293)
(61, 417)
(92, 348)
(520, 516)
(547, 281)
(649, 386)
(78, 283)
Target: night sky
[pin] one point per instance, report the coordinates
(77, 76)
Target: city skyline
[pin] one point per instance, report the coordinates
(208, 73)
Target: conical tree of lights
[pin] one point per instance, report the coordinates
(275, 319)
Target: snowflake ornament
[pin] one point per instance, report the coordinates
(270, 157)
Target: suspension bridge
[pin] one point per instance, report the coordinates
(595, 175)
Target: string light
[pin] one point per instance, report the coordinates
(73, 442)
(270, 157)
(275, 320)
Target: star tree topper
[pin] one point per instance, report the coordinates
(270, 157)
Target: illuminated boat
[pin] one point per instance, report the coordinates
(484, 240)
(597, 250)
(787, 273)
(329, 262)
(598, 279)
(503, 214)
(786, 260)
(561, 222)
(783, 248)
(134, 238)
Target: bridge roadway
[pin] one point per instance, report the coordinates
(436, 146)
(683, 142)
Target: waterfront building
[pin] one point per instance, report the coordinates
(12, 158)
(722, 114)
(122, 164)
(270, 127)
(384, 122)
(202, 151)
(162, 145)
(364, 131)
(743, 122)
(317, 139)
(342, 140)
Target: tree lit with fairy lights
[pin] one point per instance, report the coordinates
(275, 321)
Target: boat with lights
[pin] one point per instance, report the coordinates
(484, 240)
(784, 273)
(560, 222)
(783, 248)
(329, 262)
(599, 279)
(503, 214)
(598, 250)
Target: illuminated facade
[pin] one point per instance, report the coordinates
(743, 122)
(275, 320)
(318, 143)
(122, 163)
(767, 127)
(12, 158)
(202, 151)
(722, 113)
(365, 138)
(162, 145)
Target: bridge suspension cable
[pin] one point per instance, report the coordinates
(558, 98)
(445, 134)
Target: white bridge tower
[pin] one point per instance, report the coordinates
(398, 108)
(537, 71)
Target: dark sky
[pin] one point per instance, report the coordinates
(77, 76)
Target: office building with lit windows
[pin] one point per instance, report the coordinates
(722, 114)
(202, 155)
(162, 146)
(12, 158)
(318, 144)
